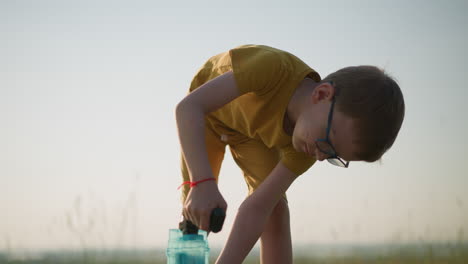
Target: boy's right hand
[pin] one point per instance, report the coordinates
(201, 200)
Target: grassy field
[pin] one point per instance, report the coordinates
(381, 254)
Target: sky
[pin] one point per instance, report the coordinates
(89, 152)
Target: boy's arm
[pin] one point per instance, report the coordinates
(190, 115)
(253, 215)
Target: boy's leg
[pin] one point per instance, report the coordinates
(276, 237)
(215, 148)
(257, 161)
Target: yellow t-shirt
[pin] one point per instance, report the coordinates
(266, 78)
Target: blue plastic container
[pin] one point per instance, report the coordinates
(187, 249)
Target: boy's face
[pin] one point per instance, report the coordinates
(312, 124)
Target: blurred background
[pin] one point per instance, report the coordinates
(89, 152)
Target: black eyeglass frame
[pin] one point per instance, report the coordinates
(333, 156)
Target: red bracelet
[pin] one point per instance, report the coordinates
(193, 184)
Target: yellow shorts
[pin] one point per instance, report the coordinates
(254, 158)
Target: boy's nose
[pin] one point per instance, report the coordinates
(319, 155)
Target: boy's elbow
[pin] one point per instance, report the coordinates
(180, 106)
(188, 112)
(183, 107)
(188, 105)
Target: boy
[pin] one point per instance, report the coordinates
(278, 117)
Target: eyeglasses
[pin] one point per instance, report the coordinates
(326, 147)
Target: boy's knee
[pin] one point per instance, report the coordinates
(278, 222)
(281, 210)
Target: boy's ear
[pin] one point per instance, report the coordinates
(323, 91)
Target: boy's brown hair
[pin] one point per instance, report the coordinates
(371, 97)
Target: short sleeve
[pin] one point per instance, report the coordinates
(297, 162)
(257, 69)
